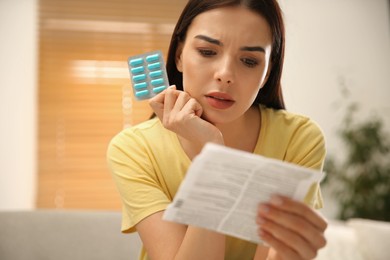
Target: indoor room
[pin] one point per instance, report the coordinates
(66, 91)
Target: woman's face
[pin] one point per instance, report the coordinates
(225, 60)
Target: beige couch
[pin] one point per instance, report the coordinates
(357, 239)
(65, 235)
(84, 235)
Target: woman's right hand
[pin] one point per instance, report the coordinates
(181, 113)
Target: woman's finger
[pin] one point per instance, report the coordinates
(192, 106)
(295, 223)
(157, 103)
(282, 250)
(292, 224)
(171, 96)
(289, 238)
(300, 209)
(181, 101)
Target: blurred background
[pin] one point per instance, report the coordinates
(65, 89)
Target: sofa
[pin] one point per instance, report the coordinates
(84, 235)
(357, 239)
(65, 235)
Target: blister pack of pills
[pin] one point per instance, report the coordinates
(147, 74)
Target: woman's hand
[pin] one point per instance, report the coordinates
(292, 229)
(181, 113)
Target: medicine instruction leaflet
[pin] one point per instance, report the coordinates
(223, 188)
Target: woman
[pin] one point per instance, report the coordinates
(225, 63)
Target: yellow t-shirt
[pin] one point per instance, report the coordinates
(148, 164)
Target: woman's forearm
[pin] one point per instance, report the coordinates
(199, 243)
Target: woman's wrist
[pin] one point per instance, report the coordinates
(217, 139)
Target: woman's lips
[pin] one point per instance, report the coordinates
(219, 100)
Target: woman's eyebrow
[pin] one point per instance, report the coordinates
(209, 39)
(253, 48)
(219, 43)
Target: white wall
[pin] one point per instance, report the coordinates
(332, 39)
(18, 78)
(326, 39)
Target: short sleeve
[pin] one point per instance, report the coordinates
(131, 164)
(307, 149)
(307, 146)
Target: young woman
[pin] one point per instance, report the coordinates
(224, 63)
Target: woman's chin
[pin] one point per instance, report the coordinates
(215, 119)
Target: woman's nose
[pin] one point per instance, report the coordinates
(225, 72)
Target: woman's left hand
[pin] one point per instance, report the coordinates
(292, 229)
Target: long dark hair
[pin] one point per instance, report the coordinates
(270, 94)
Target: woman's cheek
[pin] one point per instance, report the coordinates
(193, 77)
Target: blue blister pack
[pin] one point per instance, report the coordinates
(147, 74)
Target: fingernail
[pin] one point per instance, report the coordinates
(276, 200)
(172, 87)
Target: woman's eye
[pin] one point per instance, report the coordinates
(206, 53)
(250, 62)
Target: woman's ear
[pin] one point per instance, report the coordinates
(178, 57)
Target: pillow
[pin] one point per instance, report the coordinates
(341, 243)
(373, 238)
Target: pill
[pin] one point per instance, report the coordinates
(155, 74)
(136, 62)
(137, 70)
(152, 58)
(159, 89)
(157, 82)
(140, 85)
(154, 66)
(139, 77)
(142, 93)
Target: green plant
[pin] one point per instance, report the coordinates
(360, 183)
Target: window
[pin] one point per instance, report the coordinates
(84, 91)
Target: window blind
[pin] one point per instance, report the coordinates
(85, 95)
